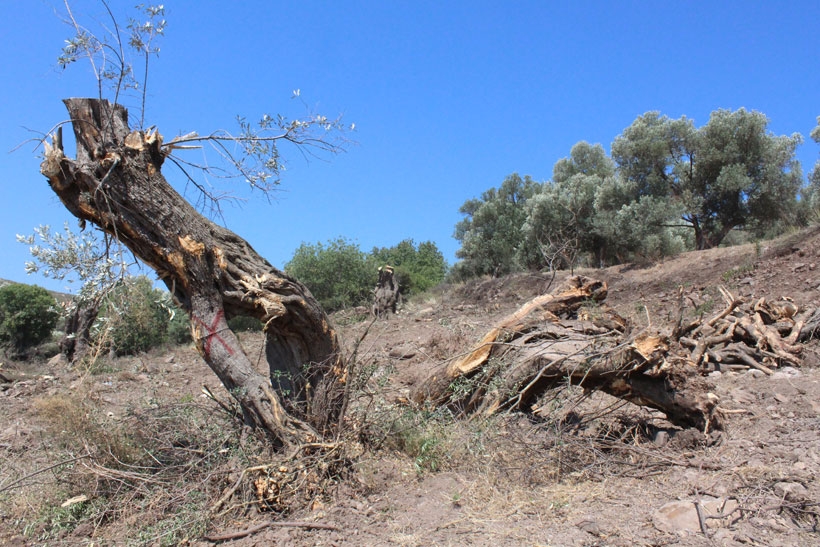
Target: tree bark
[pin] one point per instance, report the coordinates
(386, 295)
(76, 341)
(544, 345)
(116, 183)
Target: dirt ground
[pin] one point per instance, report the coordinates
(154, 455)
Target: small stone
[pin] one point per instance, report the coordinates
(779, 397)
(786, 373)
(793, 491)
(661, 438)
(754, 373)
(590, 527)
(715, 374)
(681, 517)
(86, 529)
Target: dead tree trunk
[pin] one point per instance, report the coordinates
(116, 183)
(386, 295)
(76, 341)
(544, 345)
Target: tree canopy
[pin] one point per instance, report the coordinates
(337, 272)
(340, 274)
(730, 173)
(28, 314)
(667, 186)
(417, 267)
(491, 231)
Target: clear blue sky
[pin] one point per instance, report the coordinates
(448, 98)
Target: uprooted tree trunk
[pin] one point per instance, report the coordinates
(116, 183)
(544, 345)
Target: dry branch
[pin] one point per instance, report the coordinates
(760, 336)
(227, 536)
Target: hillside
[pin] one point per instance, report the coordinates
(153, 454)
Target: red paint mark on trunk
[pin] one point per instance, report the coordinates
(213, 333)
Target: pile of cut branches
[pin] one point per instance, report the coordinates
(763, 334)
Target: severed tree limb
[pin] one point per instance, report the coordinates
(740, 353)
(710, 341)
(809, 327)
(533, 350)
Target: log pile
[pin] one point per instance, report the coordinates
(762, 334)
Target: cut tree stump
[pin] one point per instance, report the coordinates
(545, 344)
(386, 294)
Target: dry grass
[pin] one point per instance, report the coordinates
(151, 471)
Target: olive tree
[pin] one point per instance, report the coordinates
(728, 174)
(95, 262)
(559, 225)
(491, 232)
(117, 182)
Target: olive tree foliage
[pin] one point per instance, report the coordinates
(492, 230)
(417, 268)
(74, 257)
(338, 273)
(560, 217)
(112, 309)
(111, 64)
(95, 262)
(813, 191)
(730, 173)
(136, 317)
(28, 314)
(667, 186)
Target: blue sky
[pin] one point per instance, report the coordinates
(448, 98)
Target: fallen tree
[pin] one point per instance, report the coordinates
(545, 344)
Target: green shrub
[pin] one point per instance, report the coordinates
(338, 274)
(179, 326)
(135, 317)
(244, 323)
(417, 268)
(28, 314)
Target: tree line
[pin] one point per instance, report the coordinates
(668, 186)
(341, 275)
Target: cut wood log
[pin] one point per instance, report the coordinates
(544, 345)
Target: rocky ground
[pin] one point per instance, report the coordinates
(152, 454)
